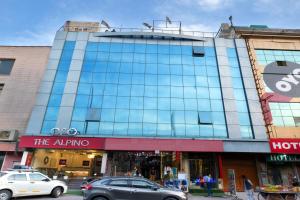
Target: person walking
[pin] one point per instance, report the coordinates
(208, 184)
(248, 185)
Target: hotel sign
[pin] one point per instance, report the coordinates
(283, 158)
(57, 142)
(285, 146)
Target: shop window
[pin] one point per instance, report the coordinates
(6, 66)
(198, 52)
(1, 87)
(204, 118)
(281, 63)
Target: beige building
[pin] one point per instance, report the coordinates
(21, 70)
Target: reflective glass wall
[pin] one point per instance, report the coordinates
(149, 90)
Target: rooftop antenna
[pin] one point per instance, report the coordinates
(230, 19)
(104, 23)
(168, 20)
(149, 26)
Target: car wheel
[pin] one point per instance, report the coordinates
(56, 192)
(5, 195)
(99, 198)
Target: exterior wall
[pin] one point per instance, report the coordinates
(10, 159)
(19, 93)
(274, 44)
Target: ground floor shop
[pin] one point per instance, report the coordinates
(9, 155)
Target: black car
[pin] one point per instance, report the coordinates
(129, 188)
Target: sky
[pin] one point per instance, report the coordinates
(34, 22)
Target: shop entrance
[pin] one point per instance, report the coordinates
(147, 164)
(68, 163)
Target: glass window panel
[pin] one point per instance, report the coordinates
(244, 119)
(177, 104)
(125, 79)
(139, 68)
(210, 61)
(187, 60)
(206, 130)
(122, 115)
(205, 117)
(164, 103)
(163, 49)
(209, 51)
(241, 106)
(246, 132)
(202, 81)
(189, 81)
(150, 91)
(295, 106)
(177, 92)
(113, 67)
(51, 113)
(136, 103)
(296, 113)
(176, 80)
(163, 130)
(116, 47)
(109, 102)
(103, 56)
(136, 115)
(66, 55)
(124, 90)
(190, 92)
(90, 56)
(69, 44)
(284, 106)
(216, 105)
(82, 101)
(92, 127)
(239, 94)
(149, 129)
(178, 130)
(108, 115)
(288, 121)
(98, 89)
(215, 93)
(278, 121)
(139, 58)
(137, 90)
(164, 117)
(79, 114)
(192, 131)
(204, 105)
(151, 68)
(218, 118)
(96, 101)
(98, 78)
(79, 126)
(150, 103)
(150, 79)
(92, 46)
(61, 76)
(123, 102)
(175, 49)
(213, 82)
(200, 70)
(106, 128)
(100, 67)
(54, 100)
(191, 117)
(175, 59)
(135, 129)
(177, 117)
(63, 65)
(276, 113)
(188, 70)
(111, 89)
(163, 80)
(140, 48)
(120, 129)
(103, 46)
(190, 104)
(128, 47)
(138, 79)
(163, 69)
(220, 130)
(58, 88)
(286, 113)
(202, 92)
(126, 67)
(176, 69)
(163, 58)
(186, 50)
(151, 48)
(150, 116)
(151, 58)
(47, 126)
(274, 106)
(84, 88)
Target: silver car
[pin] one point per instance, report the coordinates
(129, 188)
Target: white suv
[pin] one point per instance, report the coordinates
(28, 183)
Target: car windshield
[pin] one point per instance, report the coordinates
(2, 174)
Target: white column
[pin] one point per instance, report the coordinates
(103, 164)
(24, 157)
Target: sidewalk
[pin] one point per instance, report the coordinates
(241, 195)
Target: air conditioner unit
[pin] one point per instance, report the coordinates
(8, 135)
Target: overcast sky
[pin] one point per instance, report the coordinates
(34, 22)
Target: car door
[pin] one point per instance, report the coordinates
(39, 184)
(119, 189)
(19, 184)
(142, 189)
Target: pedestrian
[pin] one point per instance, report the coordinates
(248, 185)
(208, 184)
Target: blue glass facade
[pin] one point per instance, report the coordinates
(58, 87)
(149, 90)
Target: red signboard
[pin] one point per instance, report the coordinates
(286, 146)
(61, 142)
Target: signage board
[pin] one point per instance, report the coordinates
(57, 142)
(283, 158)
(285, 146)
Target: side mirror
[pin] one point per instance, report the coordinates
(46, 180)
